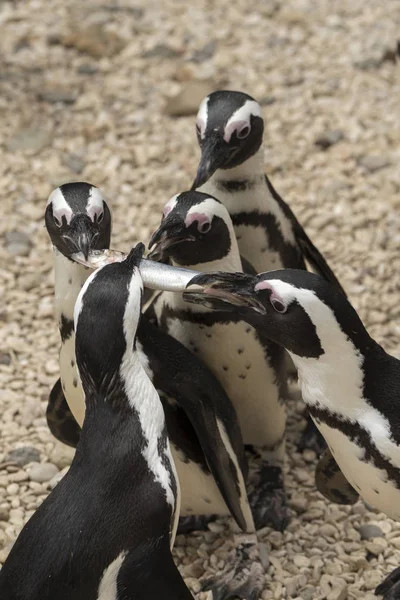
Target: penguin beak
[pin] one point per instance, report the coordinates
(81, 236)
(170, 233)
(224, 291)
(215, 153)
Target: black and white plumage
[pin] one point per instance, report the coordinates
(105, 531)
(230, 131)
(197, 232)
(348, 381)
(203, 428)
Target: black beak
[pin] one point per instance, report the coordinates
(170, 233)
(214, 154)
(224, 291)
(81, 235)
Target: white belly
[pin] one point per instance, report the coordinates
(371, 483)
(199, 492)
(71, 381)
(235, 356)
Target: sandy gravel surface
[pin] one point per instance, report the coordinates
(91, 92)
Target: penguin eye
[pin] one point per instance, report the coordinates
(204, 227)
(57, 221)
(243, 133)
(278, 305)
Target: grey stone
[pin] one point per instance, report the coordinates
(56, 95)
(42, 472)
(329, 138)
(87, 69)
(24, 455)
(267, 100)
(161, 51)
(374, 162)
(74, 162)
(18, 243)
(205, 53)
(5, 358)
(30, 139)
(369, 531)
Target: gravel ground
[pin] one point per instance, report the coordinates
(106, 92)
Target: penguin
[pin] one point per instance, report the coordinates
(348, 382)
(230, 129)
(197, 232)
(106, 531)
(205, 435)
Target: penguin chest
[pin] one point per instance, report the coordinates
(255, 245)
(373, 484)
(70, 380)
(238, 360)
(199, 492)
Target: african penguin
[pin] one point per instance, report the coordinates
(230, 131)
(203, 428)
(106, 531)
(197, 232)
(348, 382)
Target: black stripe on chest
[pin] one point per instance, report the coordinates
(290, 254)
(240, 185)
(66, 327)
(361, 437)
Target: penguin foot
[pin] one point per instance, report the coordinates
(331, 482)
(311, 439)
(268, 500)
(242, 577)
(390, 587)
(194, 523)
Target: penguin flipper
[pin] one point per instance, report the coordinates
(308, 249)
(181, 375)
(60, 419)
(247, 267)
(331, 482)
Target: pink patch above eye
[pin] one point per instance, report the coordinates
(265, 285)
(201, 218)
(167, 209)
(232, 127)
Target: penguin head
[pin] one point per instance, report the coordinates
(294, 308)
(78, 219)
(195, 228)
(229, 129)
(106, 317)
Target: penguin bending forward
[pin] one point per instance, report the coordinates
(350, 385)
(230, 129)
(106, 531)
(204, 433)
(200, 416)
(197, 232)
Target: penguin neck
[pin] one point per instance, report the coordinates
(250, 170)
(335, 379)
(69, 279)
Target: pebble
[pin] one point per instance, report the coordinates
(205, 53)
(187, 101)
(18, 243)
(328, 530)
(374, 162)
(74, 162)
(42, 472)
(53, 96)
(301, 561)
(30, 139)
(368, 531)
(23, 455)
(329, 138)
(95, 40)
(162, 51)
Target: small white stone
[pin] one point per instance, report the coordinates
(42, 472)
